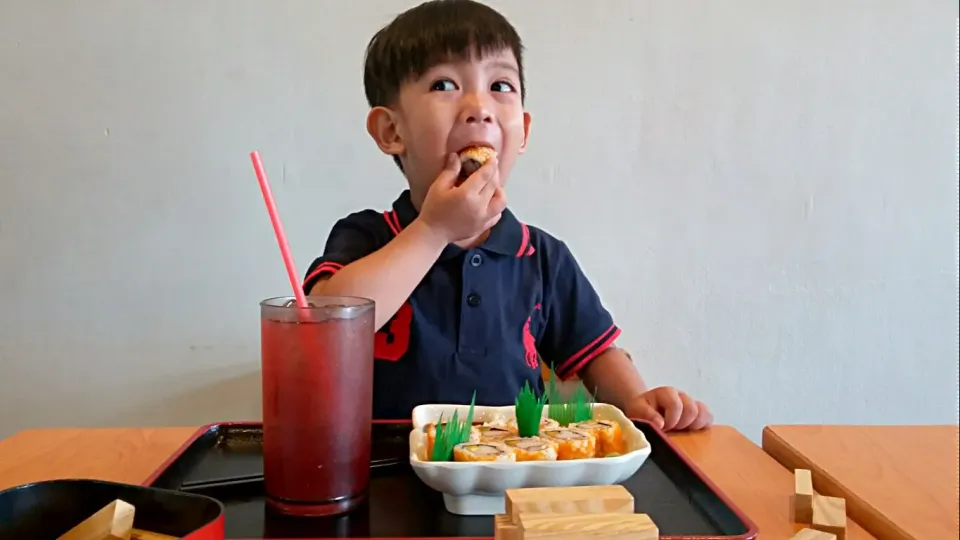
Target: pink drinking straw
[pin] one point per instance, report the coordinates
(278, 230)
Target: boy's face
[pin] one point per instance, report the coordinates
(454, 105)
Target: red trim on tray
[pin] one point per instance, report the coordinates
(752, 530)
(211, 530)
(751, 533)
(179, 452)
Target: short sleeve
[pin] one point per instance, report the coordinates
(350, 239)
(577, 325)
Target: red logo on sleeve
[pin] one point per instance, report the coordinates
(393, 340)
(530, 345)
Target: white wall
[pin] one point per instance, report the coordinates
(777, 184)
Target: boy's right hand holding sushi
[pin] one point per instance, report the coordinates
(462, 212)
(449, 213)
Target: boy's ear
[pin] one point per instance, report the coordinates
(382, 126)
(526, 131)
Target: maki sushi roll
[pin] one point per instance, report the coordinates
(572, 443)
(545, 423)
(498, 420)
(493, 434)
(482, 451)
(608, 434)
(532, 448)
(431, 431)
(549, 423)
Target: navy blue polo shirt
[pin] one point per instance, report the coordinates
(480, 317)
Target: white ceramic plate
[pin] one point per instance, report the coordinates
(477, 488)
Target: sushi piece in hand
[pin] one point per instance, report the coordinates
(608, 434)
(472, 158)
(572, 443)
(482, 451)
(532, 448)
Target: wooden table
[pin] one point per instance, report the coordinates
(899, 481)
(755, 482)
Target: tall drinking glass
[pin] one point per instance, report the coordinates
(317, 369)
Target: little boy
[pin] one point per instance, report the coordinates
(468, 298)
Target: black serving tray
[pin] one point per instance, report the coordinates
(224, 461)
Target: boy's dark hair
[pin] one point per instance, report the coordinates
(433, 32)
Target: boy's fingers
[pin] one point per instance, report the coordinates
(689, 412)
(450, 173)
(498, 202)
(481, 178)
(668, 401)
(645, 411)
(493, 184)
(704, 418)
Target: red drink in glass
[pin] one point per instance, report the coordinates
(317, 369)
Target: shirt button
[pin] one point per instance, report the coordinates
(473, 300)
(476, 260)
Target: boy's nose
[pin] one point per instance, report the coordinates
(479, 116)
(474, 111)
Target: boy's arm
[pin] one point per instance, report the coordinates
(620, 385)
(579, 339)
(577, 327)
(388, 275)
(614, 379)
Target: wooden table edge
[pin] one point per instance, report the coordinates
(172, 440)
(175, 442)
(860, 511)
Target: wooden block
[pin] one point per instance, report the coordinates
(803, 496)
(504, 530)
(588, 526)
(137, 534)
(570, 500)
(112, 522)
(830, 515)
(811, 534)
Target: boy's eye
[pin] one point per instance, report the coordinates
(443, 85)
(502, 86)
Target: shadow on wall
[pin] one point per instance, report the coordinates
(217, 395)
(201, 398)
(128, 384)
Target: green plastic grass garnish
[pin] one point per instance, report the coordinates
(529, 411)
(566, 411)
(452, 433)
(582, 404)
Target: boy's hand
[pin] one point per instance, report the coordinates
(460, 212)
(670, 410)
